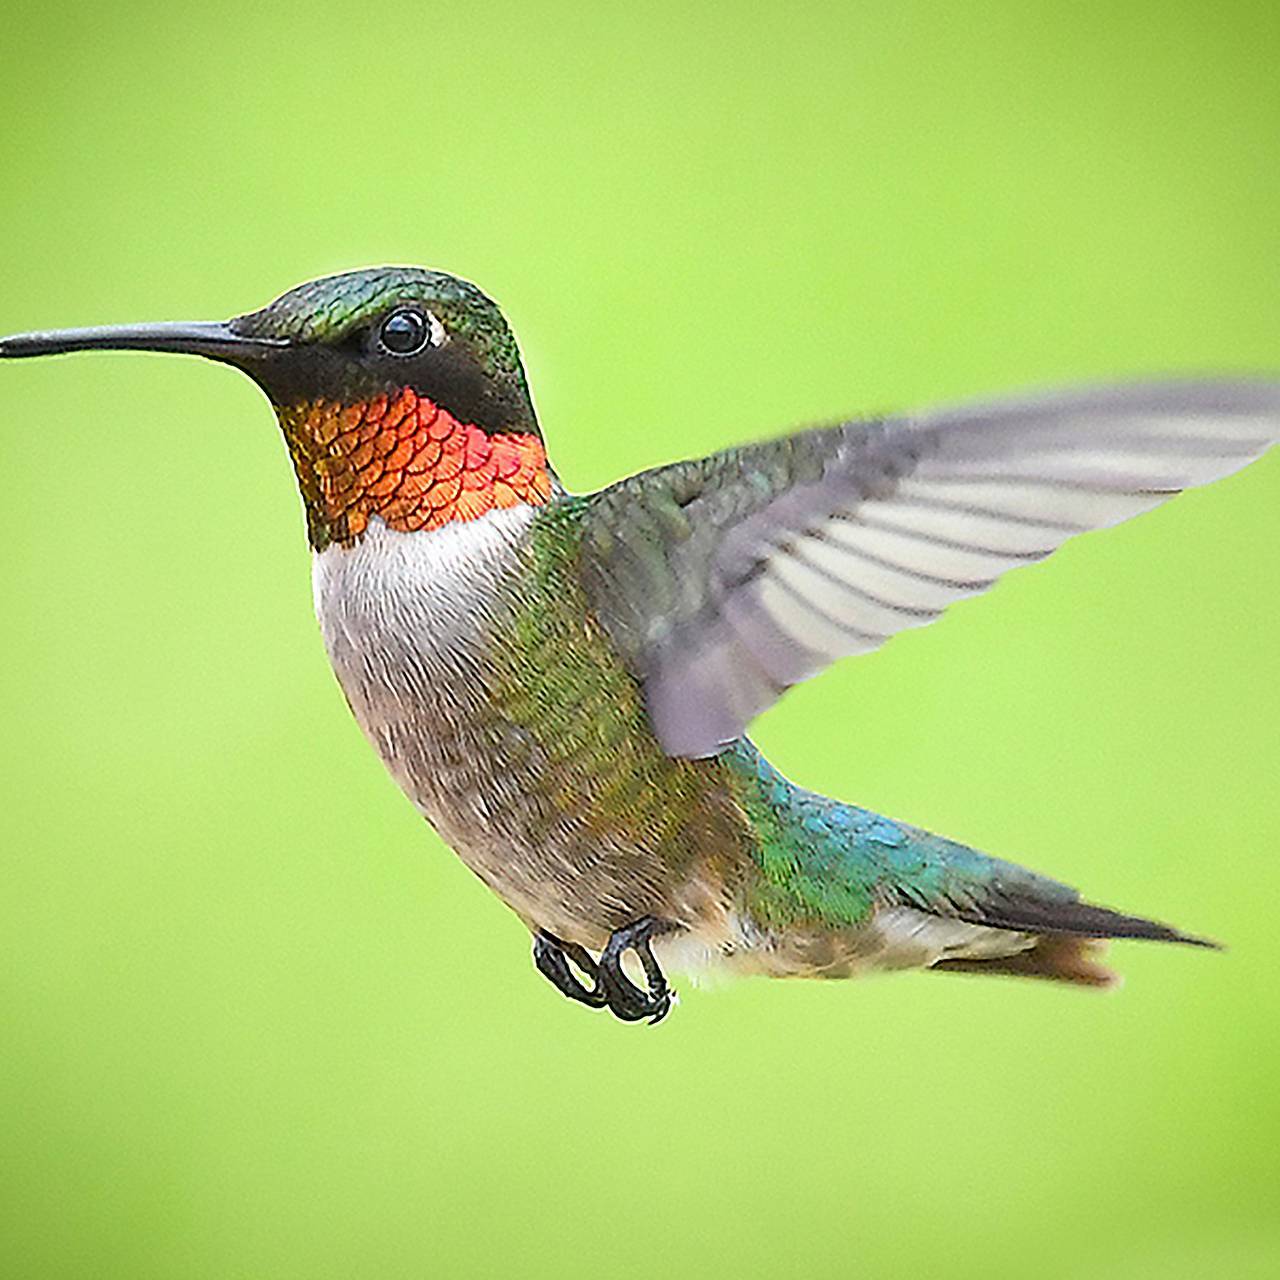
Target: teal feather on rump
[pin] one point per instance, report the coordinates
(831, 864)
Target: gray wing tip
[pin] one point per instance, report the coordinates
(1245, 395)
(1248, 395)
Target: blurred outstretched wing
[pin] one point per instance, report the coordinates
(726, 579)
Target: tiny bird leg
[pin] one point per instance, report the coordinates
(624, 998)
(551, 956)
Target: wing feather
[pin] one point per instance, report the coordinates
(724, 580)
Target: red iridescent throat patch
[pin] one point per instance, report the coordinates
(407, 461)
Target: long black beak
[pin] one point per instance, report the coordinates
(216, 340)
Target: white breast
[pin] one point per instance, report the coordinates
(407, 620)
(413, 595)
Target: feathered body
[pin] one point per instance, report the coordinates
(476, 667)
(562, 684)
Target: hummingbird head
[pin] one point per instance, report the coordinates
(384, 330)
(400, 393)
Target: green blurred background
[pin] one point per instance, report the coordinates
(257, 1021)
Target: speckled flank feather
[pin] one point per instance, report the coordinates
(496, 702)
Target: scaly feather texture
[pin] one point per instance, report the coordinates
(407, 461)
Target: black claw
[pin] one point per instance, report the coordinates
(611, 987)
(552, 956)
(624, 998)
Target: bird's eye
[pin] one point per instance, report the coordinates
(407, 331)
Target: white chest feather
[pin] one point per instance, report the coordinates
(413, 596)
(408, 620)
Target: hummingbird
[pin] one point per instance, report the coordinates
(562, 683)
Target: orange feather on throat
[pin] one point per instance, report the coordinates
(407, 461)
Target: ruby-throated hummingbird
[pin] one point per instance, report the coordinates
(561, 684)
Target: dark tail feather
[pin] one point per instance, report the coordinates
(1032, 913)
(1073, 936)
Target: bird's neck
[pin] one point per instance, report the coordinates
(407, 461)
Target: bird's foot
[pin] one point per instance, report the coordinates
(551, 956)
(611, 988)
(624, 999)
